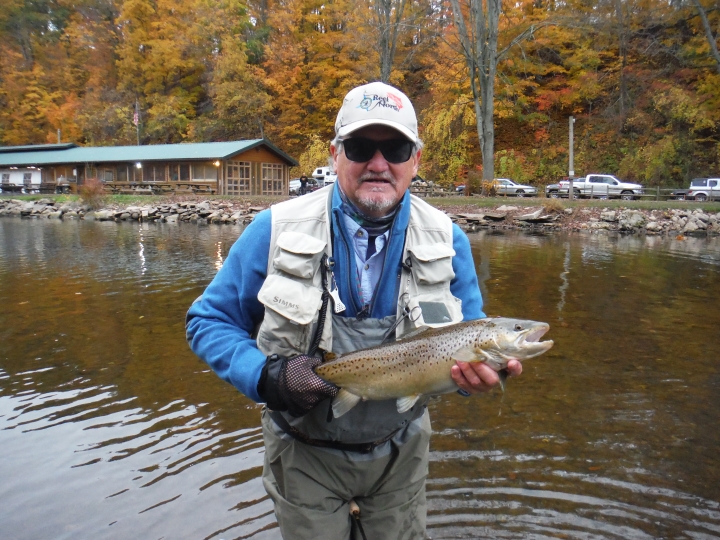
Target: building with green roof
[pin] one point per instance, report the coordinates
(252, 167)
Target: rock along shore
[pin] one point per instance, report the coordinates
(550, 217)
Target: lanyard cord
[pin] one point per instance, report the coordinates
(326, 265)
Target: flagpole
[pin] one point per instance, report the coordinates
(136, 120)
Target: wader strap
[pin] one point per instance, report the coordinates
(362, 448)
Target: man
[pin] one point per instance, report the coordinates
(303, 184)
(337, 271)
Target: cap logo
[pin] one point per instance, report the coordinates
(391, 101)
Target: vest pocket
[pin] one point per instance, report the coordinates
(432, 263)
(437, 308)
(290, 308)
(298, 254)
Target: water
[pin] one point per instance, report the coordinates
(111, 428)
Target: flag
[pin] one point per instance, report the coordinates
(136, 116)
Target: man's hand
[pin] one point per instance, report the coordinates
(476, 377)
(290, 384)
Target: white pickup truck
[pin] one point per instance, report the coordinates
(601, 186)
(704, 189)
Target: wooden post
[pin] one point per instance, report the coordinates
(571, 168)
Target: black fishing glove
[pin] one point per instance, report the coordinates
(290, 384)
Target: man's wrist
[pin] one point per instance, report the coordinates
(267, 387)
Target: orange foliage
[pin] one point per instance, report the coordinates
(224, 69)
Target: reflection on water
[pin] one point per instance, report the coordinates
(111, 428)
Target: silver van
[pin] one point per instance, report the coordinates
(704, 189)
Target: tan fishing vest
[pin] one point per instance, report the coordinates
(292, 292)
(292, 295)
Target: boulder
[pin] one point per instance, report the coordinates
(104, 215)
(632, 220)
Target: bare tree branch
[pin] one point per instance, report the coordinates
(712, 40)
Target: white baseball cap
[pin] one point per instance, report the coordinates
(376, 103)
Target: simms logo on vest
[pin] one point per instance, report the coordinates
(285, 303)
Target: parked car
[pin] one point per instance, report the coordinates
(679, 194)
(552, 191)
(602, 186)
(704, 189)
(505, 186)
(312, 185)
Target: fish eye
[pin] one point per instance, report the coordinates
(518, 327)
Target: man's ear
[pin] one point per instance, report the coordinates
(416, 167)
(335, 154)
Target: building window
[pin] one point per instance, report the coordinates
(272, 179)
(65, 174)
(180, 172)
(5, 178)
(238, 178)
(204, 172)
(27, 179)
(122, 173)
(108, 175)
(154, 172)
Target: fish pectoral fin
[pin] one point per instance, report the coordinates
(404, 404)
(466, 354)
(343, 402)
(503, 374)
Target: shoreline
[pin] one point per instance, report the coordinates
(547, 215)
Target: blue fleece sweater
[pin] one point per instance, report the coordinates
(220, 323)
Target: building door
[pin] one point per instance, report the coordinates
(237, 178)
(272, 179)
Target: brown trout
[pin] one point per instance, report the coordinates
(420, 364)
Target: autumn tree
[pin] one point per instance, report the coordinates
(477, 25)
(160, 64)
(712, 37)
(236, 102)
(312, 60)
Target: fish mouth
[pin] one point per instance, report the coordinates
(533, 335)
(529, 341)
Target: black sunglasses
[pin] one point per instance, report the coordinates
(361, 150)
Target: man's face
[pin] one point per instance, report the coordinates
(375, 186)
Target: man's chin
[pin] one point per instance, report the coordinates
(378, 203)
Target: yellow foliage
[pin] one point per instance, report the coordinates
(316, 154)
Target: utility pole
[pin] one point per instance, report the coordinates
(571, 171)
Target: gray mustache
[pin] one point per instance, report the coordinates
(386, 175)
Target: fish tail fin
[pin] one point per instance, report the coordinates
(343, 402)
